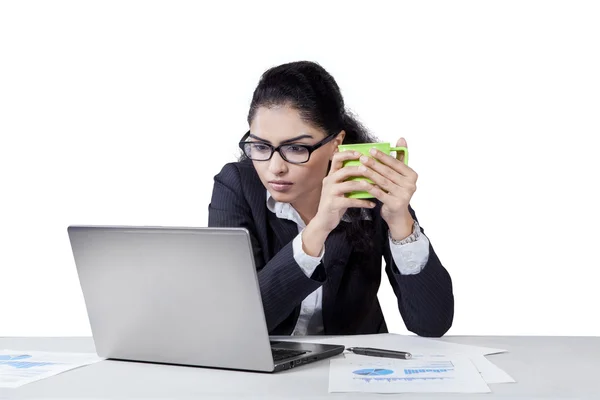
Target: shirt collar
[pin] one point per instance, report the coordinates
(284, 210)
(287, 211)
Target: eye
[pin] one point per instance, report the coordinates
(296, 149)
(260, 147)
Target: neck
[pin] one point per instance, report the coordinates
(309, 205)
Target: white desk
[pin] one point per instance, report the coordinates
(531, 361)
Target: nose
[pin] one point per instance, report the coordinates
(277, 165)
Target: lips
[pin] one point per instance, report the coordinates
(280, 186)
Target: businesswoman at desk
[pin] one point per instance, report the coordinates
(318, 253)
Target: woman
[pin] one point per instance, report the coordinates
(317, 252)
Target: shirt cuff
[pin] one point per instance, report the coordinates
(411, 258)
(307, 263)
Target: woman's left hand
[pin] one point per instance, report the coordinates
(394, 185)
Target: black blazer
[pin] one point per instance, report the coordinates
(350, 281)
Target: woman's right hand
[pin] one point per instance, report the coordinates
(334, 203)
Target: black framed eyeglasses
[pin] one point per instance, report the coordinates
(292, 153)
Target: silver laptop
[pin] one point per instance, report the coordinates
(186, 296)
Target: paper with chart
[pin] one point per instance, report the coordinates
(423, 375)
(420, 346)
(18, 368)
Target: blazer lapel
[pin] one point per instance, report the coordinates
(284, 231)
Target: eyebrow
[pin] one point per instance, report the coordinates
(285, 141)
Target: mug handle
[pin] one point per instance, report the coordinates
(402, 149)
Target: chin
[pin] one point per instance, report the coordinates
(283, 197)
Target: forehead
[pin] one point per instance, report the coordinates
(279, 123)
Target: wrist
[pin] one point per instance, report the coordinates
(318, 226)
(401, 228)
(313, 238)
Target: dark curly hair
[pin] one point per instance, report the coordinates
(308, 88)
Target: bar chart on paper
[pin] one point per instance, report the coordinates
(18, 361)
(425, 375)
(18, 368)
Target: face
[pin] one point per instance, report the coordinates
(289, 183)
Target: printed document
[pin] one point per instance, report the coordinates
(364, 374)
(18, 368)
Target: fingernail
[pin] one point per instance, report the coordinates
(372, 204)
(362, 168)
(364, 159)
(373, 151)
(356, 154)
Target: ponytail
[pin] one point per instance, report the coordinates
(355, 131)
(360, 232)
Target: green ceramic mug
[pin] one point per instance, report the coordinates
(364, 148)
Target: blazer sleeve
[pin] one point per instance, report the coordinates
(425, 300)
(283, 284)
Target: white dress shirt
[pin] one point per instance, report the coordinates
(410, 259)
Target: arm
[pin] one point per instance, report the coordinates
(412, 253)
(425, 299)
(283, 284)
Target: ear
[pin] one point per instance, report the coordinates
(340, 138)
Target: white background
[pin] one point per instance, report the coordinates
(121, 112)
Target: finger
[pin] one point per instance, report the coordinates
(337, 162)
(347, 172)
(383, 175)
(400, 155)
(351, 186)
(346, 202)
(387, 185)
(393, 163)
(383, 182)
(381, 195)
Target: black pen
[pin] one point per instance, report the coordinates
(368, 351)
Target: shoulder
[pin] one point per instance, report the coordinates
(240, 172)
(239, 180)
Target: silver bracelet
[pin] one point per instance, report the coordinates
(414, 236)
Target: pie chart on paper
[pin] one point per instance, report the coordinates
(373, 372)
(14, 358)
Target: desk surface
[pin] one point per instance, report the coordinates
(544, 367)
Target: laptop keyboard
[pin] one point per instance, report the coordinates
(282, 354)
